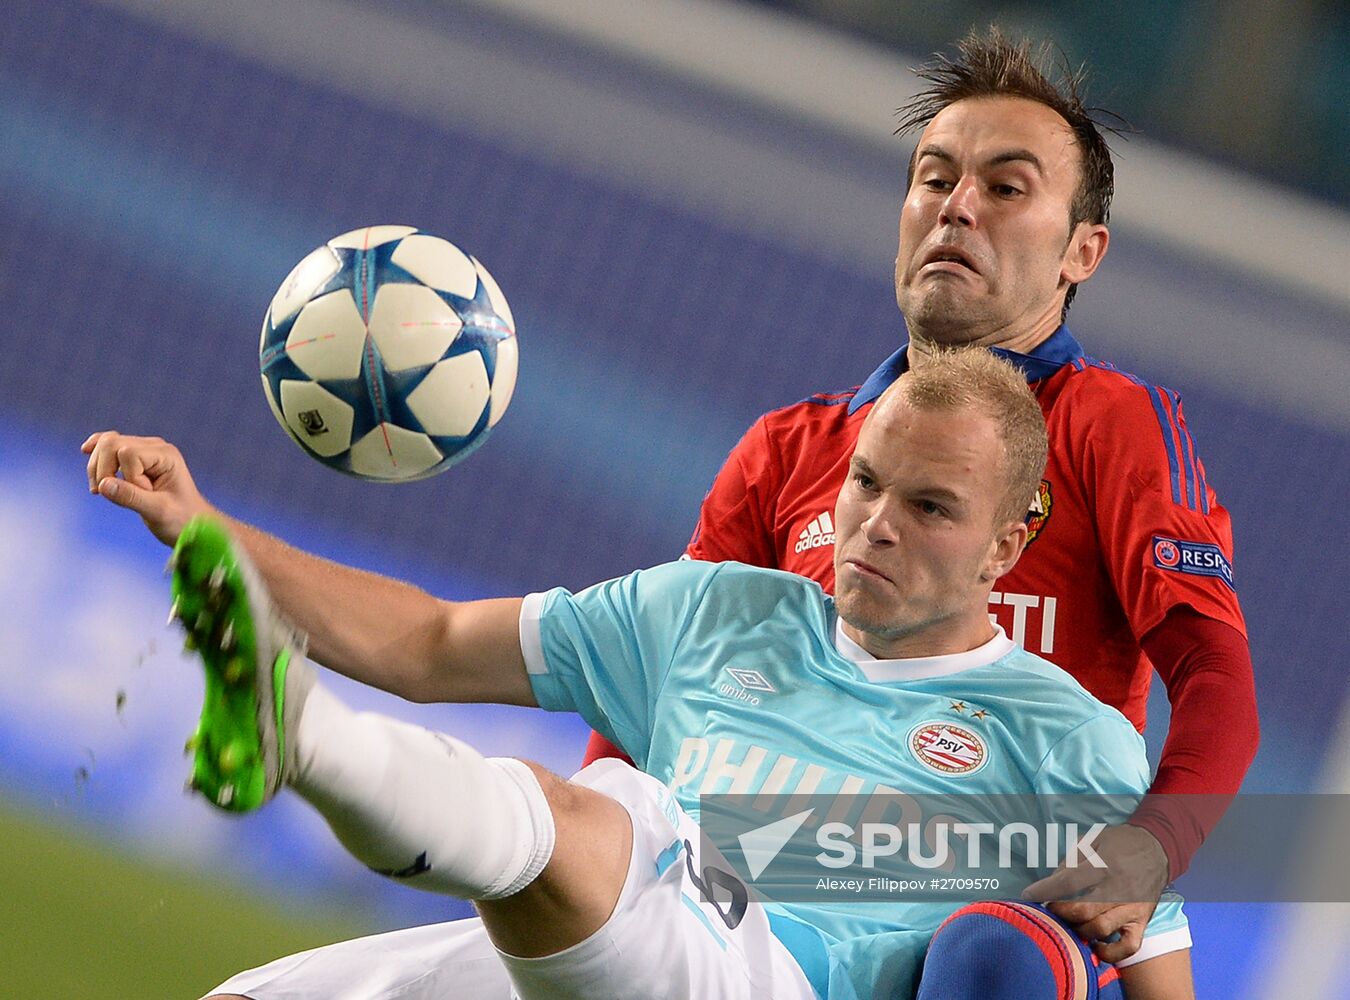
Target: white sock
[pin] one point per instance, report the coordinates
(421, 806)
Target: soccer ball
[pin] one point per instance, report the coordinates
(388, 354)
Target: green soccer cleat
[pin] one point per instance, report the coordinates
(256, 675)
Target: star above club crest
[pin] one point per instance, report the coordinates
(980, 714)
(958, 706)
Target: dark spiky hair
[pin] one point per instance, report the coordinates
(989, 64)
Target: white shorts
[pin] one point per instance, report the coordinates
(662, 940)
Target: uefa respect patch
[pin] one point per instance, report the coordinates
(1195, 558)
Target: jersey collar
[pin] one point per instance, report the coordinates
(1047, 358)
(919, 667)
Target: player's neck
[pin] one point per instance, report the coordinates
(1022, 339)
(941, 639)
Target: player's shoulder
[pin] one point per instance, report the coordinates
(681, 574)
(1068, 739)
(743, 577)
(1092, 401)
(728, 573)
(821, 410)
(1093, 384)
(1068, 704)
(811, 430)
(750, 589)
(1039, 672)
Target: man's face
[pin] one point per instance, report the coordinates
(917, 547)
(985, 249)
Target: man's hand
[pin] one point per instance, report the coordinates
(1099, 902)
(155, 481)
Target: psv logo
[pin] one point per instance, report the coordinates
(947, 749)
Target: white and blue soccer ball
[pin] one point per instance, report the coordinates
(388, 354)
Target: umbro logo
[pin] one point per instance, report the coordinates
(752, 680)
(820, 531)
(747, 682)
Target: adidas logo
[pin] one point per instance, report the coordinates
(819, 532)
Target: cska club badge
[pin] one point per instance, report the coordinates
(1039, 512)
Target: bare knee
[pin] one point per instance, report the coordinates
(587, 823)
(577, 890)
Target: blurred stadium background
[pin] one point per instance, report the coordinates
(691, 206)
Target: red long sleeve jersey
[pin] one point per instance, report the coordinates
(1125, 526)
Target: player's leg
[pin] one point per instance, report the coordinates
(569, 901)
(417, 806)
(576, 891)
(615, 912)
(665, 937)
(1012, 951)
(453, 959)
(574, 909)
(430, 811)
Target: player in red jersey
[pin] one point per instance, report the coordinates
(1129, 564)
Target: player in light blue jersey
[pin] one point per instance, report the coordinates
(719, 678)
(714, 678)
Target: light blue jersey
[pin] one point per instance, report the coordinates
(722, 678)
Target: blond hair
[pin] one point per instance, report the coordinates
(957, 378)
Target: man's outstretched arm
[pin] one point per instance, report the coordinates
(380, 631)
